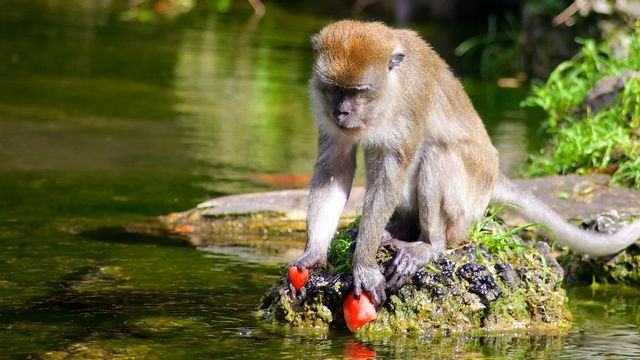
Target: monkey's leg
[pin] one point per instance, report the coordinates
(440, 189)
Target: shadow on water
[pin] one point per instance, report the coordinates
(121, 235)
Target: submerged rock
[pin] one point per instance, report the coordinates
(95, 350)
(469, 290)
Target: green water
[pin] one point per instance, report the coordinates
(105, 122)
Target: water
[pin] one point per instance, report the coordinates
(105, 122)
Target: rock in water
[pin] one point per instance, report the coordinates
(471, 289)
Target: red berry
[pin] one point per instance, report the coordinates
(298, 277)
(358, 312)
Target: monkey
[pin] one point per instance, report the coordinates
(431, 169)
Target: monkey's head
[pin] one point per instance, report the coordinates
(355, 66)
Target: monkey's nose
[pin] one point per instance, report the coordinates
(340, 115)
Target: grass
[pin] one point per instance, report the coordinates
(582, 141)
(491, 233)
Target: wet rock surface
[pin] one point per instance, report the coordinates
(466, 291)
(257, 219)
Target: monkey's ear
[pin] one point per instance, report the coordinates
(395, 60)
(315, 41)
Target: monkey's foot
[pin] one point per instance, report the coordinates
(387, 240)
(408, 260)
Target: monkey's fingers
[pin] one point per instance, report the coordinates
(357, 289)
(398, 280)
(397, 264)
(401, 270)
(310, 261)
(379, 295)
(390, 270)
(394, 279)
(292, 291)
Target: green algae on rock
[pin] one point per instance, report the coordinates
(468, 290)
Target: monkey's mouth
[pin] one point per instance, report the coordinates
(350, 128)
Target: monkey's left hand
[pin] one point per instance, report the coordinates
(369, 279)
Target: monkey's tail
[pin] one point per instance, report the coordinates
(579, 240)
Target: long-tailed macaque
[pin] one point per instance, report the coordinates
(431, 168)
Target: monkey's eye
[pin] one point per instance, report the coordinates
(329, 88)
(395, 60)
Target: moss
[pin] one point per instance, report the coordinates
(339, 255)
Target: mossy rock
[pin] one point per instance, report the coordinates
(468, 290)
(154, 325)
(621, 268)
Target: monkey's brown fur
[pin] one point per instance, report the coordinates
(431, 168)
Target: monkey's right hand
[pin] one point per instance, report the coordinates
(371, 280)
(308, 260)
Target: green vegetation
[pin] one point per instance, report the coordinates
(491, 233)
(586, 140)
(500, 49)
(340, 256)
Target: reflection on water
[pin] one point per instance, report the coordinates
(607, 320)
(105, 122)
(242, 97)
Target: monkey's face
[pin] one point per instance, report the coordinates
(353, 66)
(349, 108)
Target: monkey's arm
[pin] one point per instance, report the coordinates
(385, 180)
(330, 188)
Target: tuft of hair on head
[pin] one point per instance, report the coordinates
(347, 51)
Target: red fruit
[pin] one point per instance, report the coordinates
(358, 312)
(298, 277)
